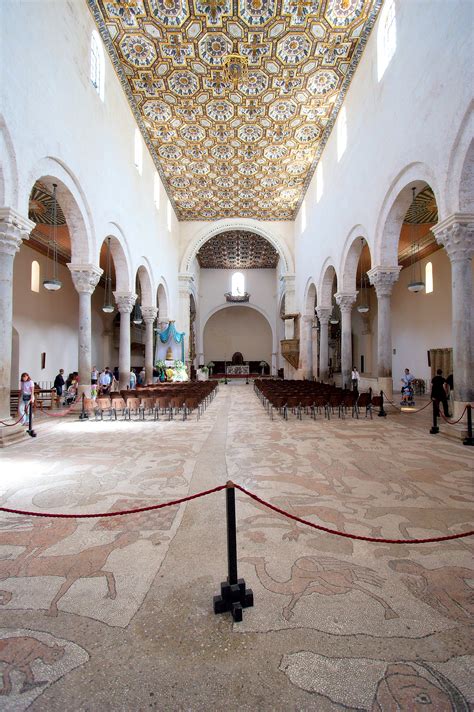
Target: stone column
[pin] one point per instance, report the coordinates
(456, 234)
(367, 343)
(13, 229)
(314, 351)
(306, 347)
(324, 314)
(345, 302)
(185, 282)
(149, 316)
(383, 279)
(85, 278)
(125, 302)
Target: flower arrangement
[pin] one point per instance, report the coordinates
(179, 365)
(160, 365)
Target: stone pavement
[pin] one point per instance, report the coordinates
(116, 614)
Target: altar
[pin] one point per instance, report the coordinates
(237, 370)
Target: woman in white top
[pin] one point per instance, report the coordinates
(27, 396)
(355, 379)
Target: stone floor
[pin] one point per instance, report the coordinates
(116, 614)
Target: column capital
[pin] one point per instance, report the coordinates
(14, 228)
(456, 234)
(185, 278)
(383, 279)
(125, 301)
(149, 314)
(324, 314)
(345, 300)
(85, 277)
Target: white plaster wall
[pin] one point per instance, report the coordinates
(55, 121)
(47, 321)
(413, 115)
(237, 328)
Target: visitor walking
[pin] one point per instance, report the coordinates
(133, 379)
(59, 383)
(105, 381)
(27, 397)
(94, 376)
(355, 379)
(439, 393)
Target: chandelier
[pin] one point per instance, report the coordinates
(363, 307)
(53, 284)
(235, 69)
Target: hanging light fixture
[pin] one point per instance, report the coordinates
(334, 318)
(416, 283)
(53, 284)
(137, 310)
(363, 307)
(108, 306)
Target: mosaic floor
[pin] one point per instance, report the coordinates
(116, 614)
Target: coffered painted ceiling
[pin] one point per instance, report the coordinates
(247, 149)
(237, 249)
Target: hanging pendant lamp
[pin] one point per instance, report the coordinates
(53, 284)
(416, 283)
(363, 307)
(108, 306)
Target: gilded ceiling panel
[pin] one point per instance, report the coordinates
(233, 96)
(237, 249)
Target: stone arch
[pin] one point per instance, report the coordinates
(394, 207)
(163, 300)
(123, 282)
(310, 297)
(8, 169)
(225, 305)
(460, 176)
(73, 203)
(350, 258)
(328, 273)
(146, 286)
(225, 226)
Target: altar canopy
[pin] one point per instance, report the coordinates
(167, 339)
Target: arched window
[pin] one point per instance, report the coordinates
(35, 276)
(341, 133)
(238, 284)
(319, 181)
(156, 190)
(386, 37)
(97, 65)
(138, 159)
(428, 278)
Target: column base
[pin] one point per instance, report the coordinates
(11, 435)
(385, 384)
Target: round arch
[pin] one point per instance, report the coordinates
(394, 207)
(310, 297)
(163, 300)
(73, 203)
(328, 272)
(147, 290)
(350, 258)
(225, 226)
(234, 307)
(460, 176)
(125, 280)
(8, 169)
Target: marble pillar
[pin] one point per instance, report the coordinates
(324, 314)
(185, 283)
(456, 234)
(85, 278)
(14, 228)
(345, 302)
(125, 302)
(306, 348)
(315, 351)
(149, 316)
(383, 279)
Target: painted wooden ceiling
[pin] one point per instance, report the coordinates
(237, 249)
(247, 149)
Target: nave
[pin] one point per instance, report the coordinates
(116, 613)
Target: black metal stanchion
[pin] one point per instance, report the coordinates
(469, 440)
(247, 380)
(234, 596)
(83, 415)
(434, 428)
(382, 413)
(30, 430)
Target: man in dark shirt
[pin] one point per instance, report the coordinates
(59, 382)
(438, 391)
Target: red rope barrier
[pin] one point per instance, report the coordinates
(114, 514)
(418, 410)
(9, 425)
(350, 536)
(453, 422)
(59, 414)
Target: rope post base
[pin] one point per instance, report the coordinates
(469, 440)
(30, 430)
(234, 595)
(247, 380)
(382, 413)
(83, 415)
(434, 430)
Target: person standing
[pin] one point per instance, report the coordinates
(355, 379)
(438, 392)
(133, 379)
(59, 383)
(94, 376)
(105, 379)
(27, 397)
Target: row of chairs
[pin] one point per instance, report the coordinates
(184, 399)
(310, 397)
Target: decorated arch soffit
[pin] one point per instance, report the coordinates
(243, 149)
(237, 249)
